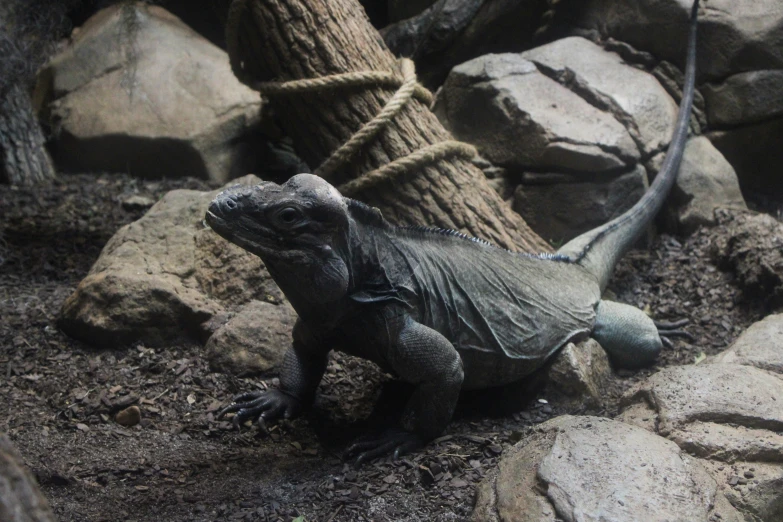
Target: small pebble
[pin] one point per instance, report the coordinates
(130, 416)
(749, 474)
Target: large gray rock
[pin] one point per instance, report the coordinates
(705, 182)
(633, 96)
(735, 35)
(594, 469)
(520, 118)
(717, 393)
(569, 119)
(749, 108)
(745, 98)
(741, 59)
(163, 276)
(761, 345)
(138, 91)
(728, 414)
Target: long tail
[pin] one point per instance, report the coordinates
(600, 249)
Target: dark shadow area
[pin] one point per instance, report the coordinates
(147, 158)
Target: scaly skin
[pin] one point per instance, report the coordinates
(440, 310)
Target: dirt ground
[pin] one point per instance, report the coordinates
(59, 397)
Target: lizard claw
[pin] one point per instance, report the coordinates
(665, 325)
(261, 407)
(398, 442)
(666, 330)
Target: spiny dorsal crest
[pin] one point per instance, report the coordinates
(445, 232)
(365, 213)
(372, 216)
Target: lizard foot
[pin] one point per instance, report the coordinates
(262, 406)
(667, 330)
(396, 441)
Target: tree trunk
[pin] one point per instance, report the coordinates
(23, 157)
(296, 39)
(20, 498)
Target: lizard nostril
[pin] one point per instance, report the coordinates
(229, 204)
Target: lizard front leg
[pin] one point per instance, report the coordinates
(301, 371)
(423, 357)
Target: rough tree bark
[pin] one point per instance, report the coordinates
(295, 39)
(20, 498)
(23, 157)
(24, 31)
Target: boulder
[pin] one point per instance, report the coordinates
(566, 206)
(138, 91)
(752, 248)
(580, 372)
(631, 95)
(717, 393)
(705, 182)
(735, 35)
(761, 346)
(164, 275)
(253, 341)
(727, 414)
(593, 469)
(569, 119)
(518, 117)
(745, 98)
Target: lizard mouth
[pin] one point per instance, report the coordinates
(259, 242)
(218, 224)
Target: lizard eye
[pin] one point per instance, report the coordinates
(288, 215)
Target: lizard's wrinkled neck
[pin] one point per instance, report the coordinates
(317, 282)
(312, 304)
(378, 269)
(363, 253)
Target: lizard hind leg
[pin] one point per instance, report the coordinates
(628, 335)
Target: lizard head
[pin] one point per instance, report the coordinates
(297, 228)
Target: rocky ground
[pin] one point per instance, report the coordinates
(60, 398)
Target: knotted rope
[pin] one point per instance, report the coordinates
(424, 156)
(408, 88)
